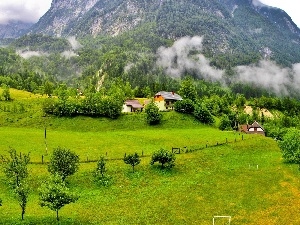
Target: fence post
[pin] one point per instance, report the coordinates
(42, 159)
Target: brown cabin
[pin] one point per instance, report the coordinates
(254, 128)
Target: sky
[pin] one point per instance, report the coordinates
(32, 10)
(291, 7)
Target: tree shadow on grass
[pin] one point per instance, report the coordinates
(158, 170)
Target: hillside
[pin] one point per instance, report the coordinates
(244, 178)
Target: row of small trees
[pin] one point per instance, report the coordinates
(54, 193)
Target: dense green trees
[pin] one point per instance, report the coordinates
(290, 146)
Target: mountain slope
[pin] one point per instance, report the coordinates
(228, 26)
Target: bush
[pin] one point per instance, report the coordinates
(164, 157)
(153, 116)
(202, 114)
(290, 146)
(63, 162)
(225, 123)
(184, 106)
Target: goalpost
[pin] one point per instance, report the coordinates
(224, 217)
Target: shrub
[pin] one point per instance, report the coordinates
(184, 106)
(202, 114)
(153, 116)
(225, 123)
(164, 157)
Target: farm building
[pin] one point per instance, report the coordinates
(255, 128)
(165, 100)
(132, 106)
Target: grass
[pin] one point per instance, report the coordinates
(244, 179)
(222, 180)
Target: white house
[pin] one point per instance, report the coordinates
(132, 106)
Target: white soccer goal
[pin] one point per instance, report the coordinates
(221, 217)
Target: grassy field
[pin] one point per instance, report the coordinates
(245, 179)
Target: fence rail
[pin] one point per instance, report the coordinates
(176, 150)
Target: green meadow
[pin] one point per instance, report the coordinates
(217, 173)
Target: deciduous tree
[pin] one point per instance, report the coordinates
(290, 146)
(132, 159)
(16, 171)
(54, 194)
(63, 162)
(164, 157)
(153, 116)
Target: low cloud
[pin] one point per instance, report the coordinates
(68, 54)
(185, 57)
(29, 54)
(27, 11)
(74, 43)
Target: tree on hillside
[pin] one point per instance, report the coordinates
(153, 116)
(225, 123)
(164, 157)
(6, 93)
(203, 114)
(184, 106)
(187, 89)
(0, 202)
(16, 172)
(54, 194)
(290, 146)
(48, 88)
(63, 162)
(240, 101)
(132, 159)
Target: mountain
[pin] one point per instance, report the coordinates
(232, 27)
(14, 29)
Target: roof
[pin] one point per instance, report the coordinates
(256, 125)
(133, 103)
(245, 128)
(169, 95)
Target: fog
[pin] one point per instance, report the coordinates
(185, 56)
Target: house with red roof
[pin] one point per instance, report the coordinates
(254, 128)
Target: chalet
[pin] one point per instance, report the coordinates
(132, 106)
(165, 100)
(255, 128)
